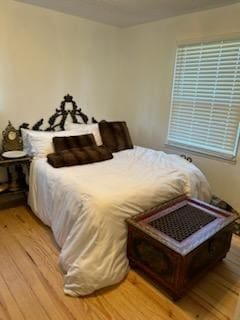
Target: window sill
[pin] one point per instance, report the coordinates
(200, 154)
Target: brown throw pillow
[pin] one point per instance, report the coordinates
(115, 135)
(79, 156)
(64, 143)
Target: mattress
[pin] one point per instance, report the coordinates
(86, 207)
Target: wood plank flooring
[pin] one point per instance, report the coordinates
(31, 283)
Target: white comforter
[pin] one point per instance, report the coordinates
(86, 207)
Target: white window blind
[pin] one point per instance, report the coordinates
(205, 110)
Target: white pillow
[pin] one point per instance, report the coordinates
(86, 129)
(39, 143)
(28, 136)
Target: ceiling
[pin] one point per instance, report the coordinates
(125, 13)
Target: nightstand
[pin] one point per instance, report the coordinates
(17, 191)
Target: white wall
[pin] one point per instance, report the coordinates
(45, 54)
(114, 73)
(147, 72)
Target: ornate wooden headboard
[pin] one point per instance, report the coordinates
(57, 120)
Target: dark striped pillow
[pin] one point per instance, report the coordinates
(79, 156)
(115, 135)
(64, 143)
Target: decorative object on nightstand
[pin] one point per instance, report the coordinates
(14, 191)
(12, 140)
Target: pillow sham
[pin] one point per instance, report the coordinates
(115, 135)
(64, 143)
(79, 156)
(85, 129)
(39, 143)
(25, 140)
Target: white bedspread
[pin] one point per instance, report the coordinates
(86, 207)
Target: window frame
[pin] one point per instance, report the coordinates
(190, 147)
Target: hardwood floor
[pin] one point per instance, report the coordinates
(31, 284)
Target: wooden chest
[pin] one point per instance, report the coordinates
(176, 243)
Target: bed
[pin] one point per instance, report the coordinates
(86, 207)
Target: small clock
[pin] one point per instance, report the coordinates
(11, 139)
(12, 135)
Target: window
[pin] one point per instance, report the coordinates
(205, 110)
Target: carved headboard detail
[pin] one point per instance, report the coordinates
(57, 120)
